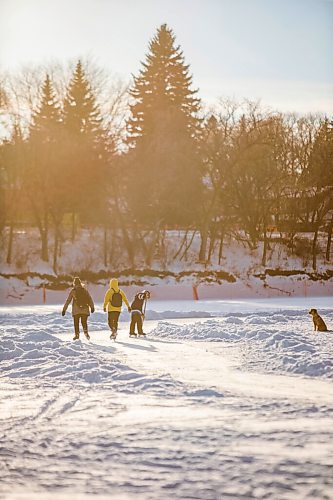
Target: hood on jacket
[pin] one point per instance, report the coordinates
(114, 284)
(77, 283)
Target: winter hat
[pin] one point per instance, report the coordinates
(77, 281)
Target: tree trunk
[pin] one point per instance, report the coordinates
(126, 237)
(55, 250)
(211, 243)
(203, 244)
(41, 216)
(105, 246)
(183, 243)
(44, 240)
(187, 246)
(128, 244)
(314, 249)
(73, 226)
(10, 243)
(127, 240)
(221, 246)
(149, 242)
(264, 252)
(329, 240)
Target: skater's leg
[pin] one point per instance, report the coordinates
(140, 324)
(137, 321)
(114, 316)
(133, 323)
(115, 320)
(110, 320)
(76, 319)
(84, 322)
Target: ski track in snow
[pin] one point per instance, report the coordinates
(121, 420)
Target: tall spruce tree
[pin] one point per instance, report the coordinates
(81, 114)
(42, 174)
(162, 132)
(84, 144)
(47, 115)
(162, 87)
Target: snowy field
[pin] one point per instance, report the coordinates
(223, 399)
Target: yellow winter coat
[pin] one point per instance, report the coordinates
(108, 296)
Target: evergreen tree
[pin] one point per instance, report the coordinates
(42, 175)
(162, 89)
(162, 132)
(47, 117)
(85, 149)
(81, 115)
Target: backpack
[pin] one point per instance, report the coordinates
(116, 299)
(81, 296)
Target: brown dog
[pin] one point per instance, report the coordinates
(319, 323)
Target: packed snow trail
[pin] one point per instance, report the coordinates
(191, 412)
(206, 364)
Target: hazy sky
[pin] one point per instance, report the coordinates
(277, 50)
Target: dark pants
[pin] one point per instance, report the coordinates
(136, 320)
(113, 317)
(84, 322)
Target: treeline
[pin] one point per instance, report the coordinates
(140, 160)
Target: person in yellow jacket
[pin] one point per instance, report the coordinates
(113, 302)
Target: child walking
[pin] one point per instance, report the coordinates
(81, 303)
(113, 302)
(138, 308)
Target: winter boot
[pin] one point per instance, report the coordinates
(76, 336)
(113, 333)
(87, 335)
(132, 334)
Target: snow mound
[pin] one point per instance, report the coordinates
(270, 343)
(42, 356)
(154, 315)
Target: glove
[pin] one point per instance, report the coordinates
(92, 310)
(104, 309)
(129, 309)
(63, 313)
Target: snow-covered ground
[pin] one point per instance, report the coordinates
(223, 399)
(87, 252)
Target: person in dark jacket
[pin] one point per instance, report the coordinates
(138, 312)
(82, 304)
